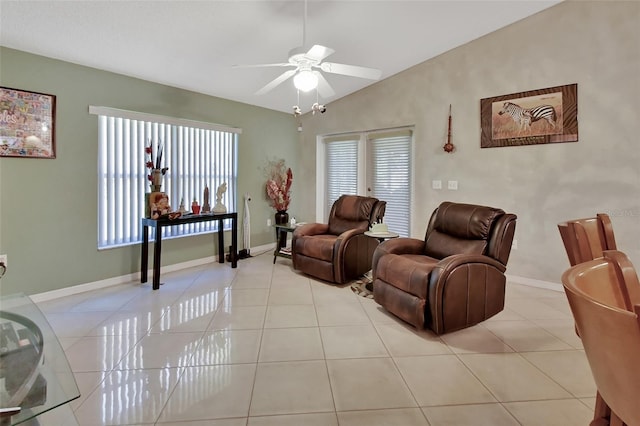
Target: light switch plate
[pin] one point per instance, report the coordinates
(453, 185)
(436, 184)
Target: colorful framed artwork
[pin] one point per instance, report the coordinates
(27, 124)
(529, 118)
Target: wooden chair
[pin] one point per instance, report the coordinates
(604, 295)
(586, 239)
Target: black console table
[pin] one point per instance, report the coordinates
(158, 224)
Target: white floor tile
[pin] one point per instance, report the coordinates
(291, 388)
(291, 344)
(470, 415)
(127, 397)
(228, 347)
(570, 369)
(211, 392)
(287, 316)
(316, 419)
(403, 340)
(550, 413)
(363, 384)
(442, 380)
(510, 377)
(397, 416)
(265, 345)
(358, 341)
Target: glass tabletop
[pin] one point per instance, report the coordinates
(35, 376)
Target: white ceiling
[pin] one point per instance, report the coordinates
(194, 44)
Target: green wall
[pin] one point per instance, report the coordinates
(48, 208)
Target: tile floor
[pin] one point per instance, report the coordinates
(262, 345)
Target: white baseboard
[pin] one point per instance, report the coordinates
(125, 279)
(535, 283)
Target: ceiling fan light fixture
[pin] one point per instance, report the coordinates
(305, 80)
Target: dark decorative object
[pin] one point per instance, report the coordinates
(529, 118)
(449, 147)
(282, 217)
(27, 124)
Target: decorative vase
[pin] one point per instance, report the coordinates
(282, 217)
(156, 180)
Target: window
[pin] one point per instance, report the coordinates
(376, 164)
(342, 170)
(198, 154)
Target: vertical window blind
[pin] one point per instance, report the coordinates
(390, 176)
(197, 155)
(342, 170)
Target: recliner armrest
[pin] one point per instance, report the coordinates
(453, 261)
(311, 229)
(400, 245)
(342, 240)
(462, 265)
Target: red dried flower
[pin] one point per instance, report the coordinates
(278, 185)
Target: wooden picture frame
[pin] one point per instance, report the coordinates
(529, 118)
(27, 124)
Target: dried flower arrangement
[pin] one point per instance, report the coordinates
(157, 164)
(278, 186)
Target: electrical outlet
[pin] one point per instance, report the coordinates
(436, 184)
(268, 222)
(514, 245)
(453, 185)
(3, 259)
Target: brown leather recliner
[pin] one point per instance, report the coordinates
(455, 277)
(338, 251)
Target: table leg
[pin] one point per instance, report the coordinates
(275, 252)
(156, 258)
(234, 242)
(220, 241)
(144, 262)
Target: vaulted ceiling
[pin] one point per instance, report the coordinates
(195, 44)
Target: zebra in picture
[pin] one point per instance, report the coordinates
(526, 116)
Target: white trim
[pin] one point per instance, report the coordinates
(321, 153)
(135, 277)
(531, 282)
(143, 116)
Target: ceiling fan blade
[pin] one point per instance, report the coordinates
(283, 64)
(318, 52)
(280, 79)
(324, 88)
(351, 70)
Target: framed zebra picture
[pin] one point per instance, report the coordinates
(530, 118)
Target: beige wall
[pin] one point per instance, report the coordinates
(48, 208)
(593, 44)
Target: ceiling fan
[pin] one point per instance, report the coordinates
(308, 66)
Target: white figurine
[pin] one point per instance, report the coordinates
(219, 207)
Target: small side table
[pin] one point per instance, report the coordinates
(380, 236)
(281, 241)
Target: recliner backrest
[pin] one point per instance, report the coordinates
(354, 212)
(456, 228)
